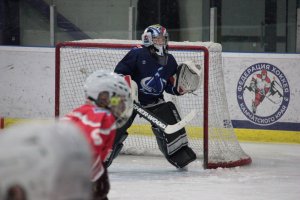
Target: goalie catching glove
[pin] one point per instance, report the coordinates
(187, 78)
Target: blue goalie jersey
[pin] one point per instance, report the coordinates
(151, 77)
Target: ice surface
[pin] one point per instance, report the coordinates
(273, 175)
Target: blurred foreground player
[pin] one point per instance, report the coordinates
(44, 161)
(108, 106)
(156, 71)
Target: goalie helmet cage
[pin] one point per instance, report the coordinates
(210, 133)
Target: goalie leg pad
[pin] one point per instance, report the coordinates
(179, 158)
(116, 148)
(169, 114)
(101, 187)
(182, 157)
(173, 146)
(121, 135)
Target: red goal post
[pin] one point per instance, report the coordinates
(210, 133)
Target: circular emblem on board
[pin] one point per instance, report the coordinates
(263, 93)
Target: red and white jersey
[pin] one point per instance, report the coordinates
(99, 127)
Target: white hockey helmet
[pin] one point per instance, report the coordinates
(119, 93)
(44, 161)
(156, 36)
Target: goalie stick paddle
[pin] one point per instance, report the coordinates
(167, 128)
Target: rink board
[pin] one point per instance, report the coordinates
(244, 135)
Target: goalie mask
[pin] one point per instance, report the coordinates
(109, 90)
(156, 36)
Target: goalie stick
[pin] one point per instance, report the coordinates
(167, 128)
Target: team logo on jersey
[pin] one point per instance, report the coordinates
(153, 85)
(263, 93)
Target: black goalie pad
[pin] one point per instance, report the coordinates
(117, 147)
(173, 146)
(169, 114)
(101, 187)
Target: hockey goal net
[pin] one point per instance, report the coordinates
(210, 133)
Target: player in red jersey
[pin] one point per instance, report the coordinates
(108, 106)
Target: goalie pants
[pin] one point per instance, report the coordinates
(174, 146)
